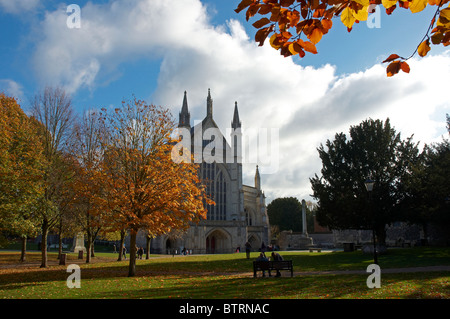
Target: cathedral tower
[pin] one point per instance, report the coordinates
(209, 105)
(184, 116)
(257, 179)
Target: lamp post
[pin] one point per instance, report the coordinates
(369, 187)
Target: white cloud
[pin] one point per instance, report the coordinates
(110, 34)
(11, 88)
(308, 105)
(18, 6)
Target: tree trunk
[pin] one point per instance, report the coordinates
(132, 266)
(45, 227)
(60, 245)
(425, 233)
(147, 254)
(88, 247)
(60, 227)
(122, 240)
(381, 234)
(24, 249)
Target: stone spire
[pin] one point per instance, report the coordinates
(236, 122)
(185, 116)
(209, 105)
(257, 179)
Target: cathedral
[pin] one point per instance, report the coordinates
(239, 215)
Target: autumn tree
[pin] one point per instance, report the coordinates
(375, 150)
(295, 27)
(146, 189)
(53, 109)
(89, 202)
(21, 171)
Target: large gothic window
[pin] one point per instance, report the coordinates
(248, 217)
(216, 188)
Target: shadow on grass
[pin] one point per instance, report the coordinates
(209, 276)
(308, 287)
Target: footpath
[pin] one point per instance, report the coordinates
(384, 271)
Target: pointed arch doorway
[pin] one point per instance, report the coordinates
(218, 241)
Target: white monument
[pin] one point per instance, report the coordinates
(304, 228)
(78, 243)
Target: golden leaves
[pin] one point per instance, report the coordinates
(392, 57)
(316, 35)
(424, 48)
(150, 190)
(417, 5)
(362, 14)
(444, 16)
(347, 18)
(396, 65)
(286, 22)
(260, 23)
(389, 3)
(285, 25)
(21, 167)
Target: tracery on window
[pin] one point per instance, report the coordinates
(216, 187)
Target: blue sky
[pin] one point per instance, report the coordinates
(157, 49)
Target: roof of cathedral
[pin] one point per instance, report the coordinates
(208, 121)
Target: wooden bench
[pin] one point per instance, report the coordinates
(272, 265)
(317, 249)
(406, 243)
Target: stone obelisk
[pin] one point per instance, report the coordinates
(306, 241)
(304, 229)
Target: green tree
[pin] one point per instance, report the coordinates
(428, 188)
(374, 150)
(286, 213)
(448, 123)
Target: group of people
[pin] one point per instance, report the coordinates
(275, 256)
(139, 252)
(263, 249)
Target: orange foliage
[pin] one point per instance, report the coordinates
(144, 188)
(284, 22)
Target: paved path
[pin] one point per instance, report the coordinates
(335, 272)
(383, 271)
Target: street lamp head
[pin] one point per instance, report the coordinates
(369, 184)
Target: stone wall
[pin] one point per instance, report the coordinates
(396, 235)
(289, 240)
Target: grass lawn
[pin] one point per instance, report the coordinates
(227, 277)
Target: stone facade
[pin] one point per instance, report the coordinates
(240, 213)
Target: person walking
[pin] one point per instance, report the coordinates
(248, 249)
(263, 247)
(124, 252)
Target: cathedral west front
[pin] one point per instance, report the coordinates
(239, 214)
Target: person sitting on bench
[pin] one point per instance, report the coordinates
(262, 257)
(277, 257)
